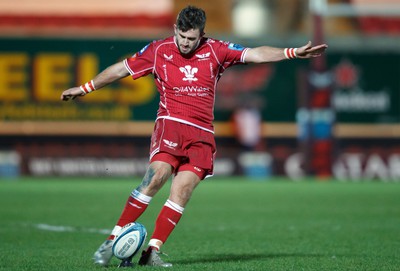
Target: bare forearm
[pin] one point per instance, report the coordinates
(111, 74)
(264, 54)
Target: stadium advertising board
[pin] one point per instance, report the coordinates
(357, 160)
(33, 72)
(33, 77)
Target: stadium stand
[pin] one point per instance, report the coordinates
(82, 17)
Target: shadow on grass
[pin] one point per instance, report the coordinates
(231, 257)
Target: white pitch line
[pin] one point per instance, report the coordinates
(47, 227)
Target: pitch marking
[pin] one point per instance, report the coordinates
(55, 228)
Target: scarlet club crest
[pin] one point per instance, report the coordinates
(189, 73)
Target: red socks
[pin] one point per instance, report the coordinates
(166, 221)
(135, 206)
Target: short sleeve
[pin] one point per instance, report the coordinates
(141, 63)
(233, 54)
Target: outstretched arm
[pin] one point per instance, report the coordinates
(109, 75)
(264, 54)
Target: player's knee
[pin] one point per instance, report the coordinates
(182, 195)
(155, 177)
(183, 188)
(159, 173)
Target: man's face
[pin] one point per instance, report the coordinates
(187, 41)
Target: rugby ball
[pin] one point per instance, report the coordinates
(129, 240)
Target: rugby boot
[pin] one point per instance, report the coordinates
(151, 257)
(104, 253)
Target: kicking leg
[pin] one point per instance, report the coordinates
(156, 176)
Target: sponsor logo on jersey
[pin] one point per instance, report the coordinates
(164, 66)
(168, 58)
(189, 73)
(143, 49)
(236, 47)
(133, 57)
(203, 56)
(191, 91)
(211, 70)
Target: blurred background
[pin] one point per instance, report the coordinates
(335, 117)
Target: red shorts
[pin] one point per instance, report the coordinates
(184, 147)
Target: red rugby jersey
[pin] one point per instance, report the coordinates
(186, 83)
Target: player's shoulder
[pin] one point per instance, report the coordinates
(154, 45)
(217, 43)
(168, 40)
(165, 43)
(213, 42)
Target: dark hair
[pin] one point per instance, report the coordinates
(191, 18)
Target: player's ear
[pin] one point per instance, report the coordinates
(175, 29)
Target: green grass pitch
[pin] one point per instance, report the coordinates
(230, 224)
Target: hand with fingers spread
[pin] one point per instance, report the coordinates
(309, 51)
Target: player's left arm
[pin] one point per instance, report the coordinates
(264, 54)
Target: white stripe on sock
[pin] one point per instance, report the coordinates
(141, 197)
(174, 206)
(116, 230)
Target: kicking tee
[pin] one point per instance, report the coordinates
(186, 83)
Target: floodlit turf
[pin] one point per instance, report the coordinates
(230, 224)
